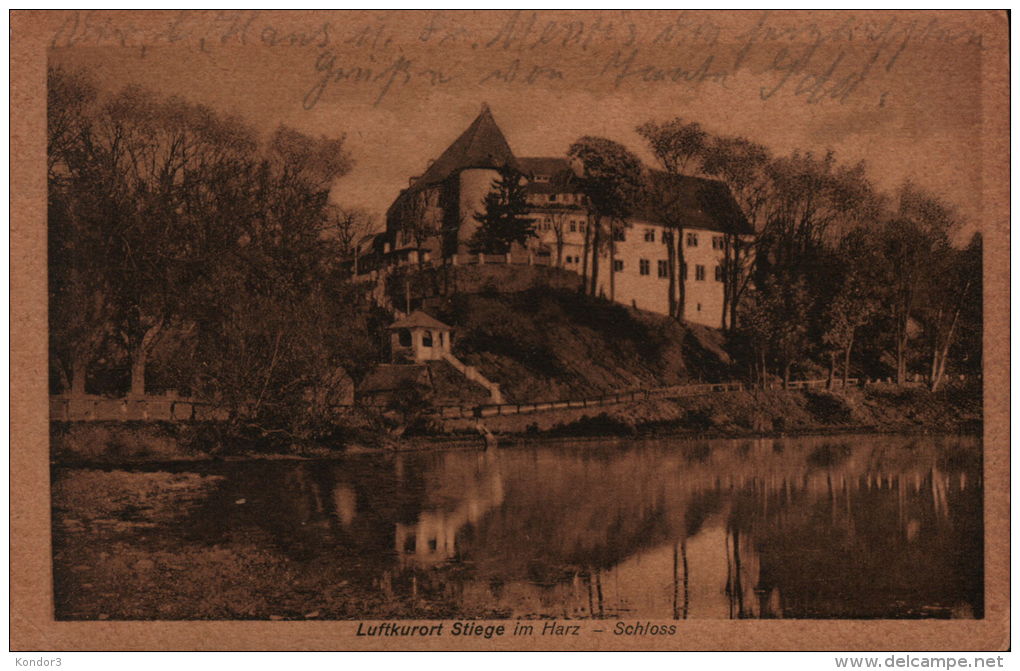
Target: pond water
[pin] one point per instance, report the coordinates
(809, 527)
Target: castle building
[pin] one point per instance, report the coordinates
(433, 220)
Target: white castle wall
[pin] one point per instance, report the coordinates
(704, 301)
(704, 297)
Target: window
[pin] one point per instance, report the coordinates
(663, 269)
(699, 273)
(718, 274)
(404, 337)
(667, 237)
(442, 339)
(718, 242)
(426, 339)
(644, 267)
(618, 266)
(573, 226)
(699, 307)
(619, 235)
(552, 197)
(692, 239)
(683, 271)
(649, 235)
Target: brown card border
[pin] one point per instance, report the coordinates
(32, 623)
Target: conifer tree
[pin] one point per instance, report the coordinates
(504, 220)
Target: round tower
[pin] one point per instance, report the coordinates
(475, 184)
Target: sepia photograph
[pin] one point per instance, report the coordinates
(529, 329)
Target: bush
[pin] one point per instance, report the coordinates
(828, 408)
(599, 425)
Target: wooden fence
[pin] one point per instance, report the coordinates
(466, 411)
(97, 408)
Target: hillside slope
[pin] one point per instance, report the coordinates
(552, 344)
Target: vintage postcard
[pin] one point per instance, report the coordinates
(510, 330)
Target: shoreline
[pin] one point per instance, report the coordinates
(734, 415)
(446, 443)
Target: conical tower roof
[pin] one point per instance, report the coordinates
(482, 145)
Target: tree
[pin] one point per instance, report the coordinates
(348, 227)
(504, 220)
(664, 196)
(167, 192)
(775, 326)
(611, 182)
(913, 241)
(281, 330)
(418, 219)
(79, 293)
(966, 346)
(855, 301)
(812, 200)
(955, 285)
(163, 157)
(743, 166)
(559, 223)
(756, 329)
(281, 362)
(678, 147)
(788, 304)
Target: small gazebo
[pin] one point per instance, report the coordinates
(419, 337)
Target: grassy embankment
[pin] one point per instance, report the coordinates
(885, 409)
(542, 341)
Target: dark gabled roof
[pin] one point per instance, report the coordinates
(542, 165)
(420, 319)
(482, 145)
(561, 176)
(546, 187)
(693, 202)
(392, 377)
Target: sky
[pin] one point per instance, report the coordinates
(901, 91)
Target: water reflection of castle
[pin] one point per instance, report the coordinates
(741, 532)
(432, 538)
(872, 527)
